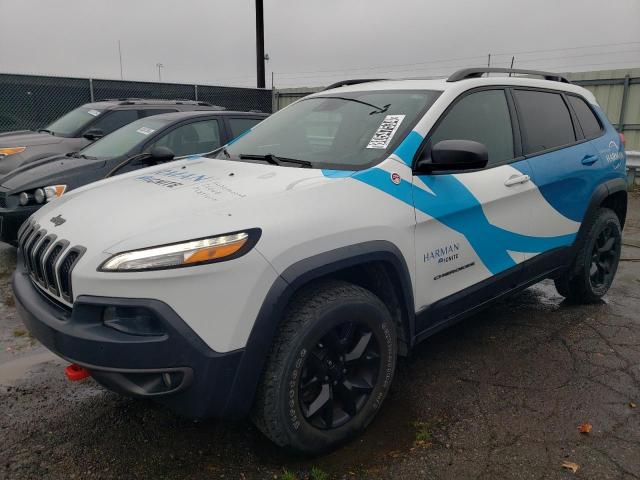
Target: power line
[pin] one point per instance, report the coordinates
(443, 73)
(418, 69)
(444, 60)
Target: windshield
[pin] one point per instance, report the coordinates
(69, 124)
(345, 131)
(123, 140)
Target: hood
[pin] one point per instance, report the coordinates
(27, 138)
(173, 202)
(54, 170)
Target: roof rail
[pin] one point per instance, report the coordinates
(150, 101)
(478, 72)
(345, 83)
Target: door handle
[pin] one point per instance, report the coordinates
(516, 180)
(589, 159)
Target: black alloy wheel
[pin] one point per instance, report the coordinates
(339, 374)
(604, 258)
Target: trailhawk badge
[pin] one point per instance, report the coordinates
(57, 221)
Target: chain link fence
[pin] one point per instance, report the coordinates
(29, 102)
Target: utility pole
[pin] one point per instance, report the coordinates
(159, 65)
(120, 55)
(489, 61)
(260, 45)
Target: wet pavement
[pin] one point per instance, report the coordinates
(502, 395)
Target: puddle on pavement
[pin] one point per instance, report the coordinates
(16, 369)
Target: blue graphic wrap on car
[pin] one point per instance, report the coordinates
(453, 205)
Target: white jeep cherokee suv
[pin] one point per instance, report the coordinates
(281, 275)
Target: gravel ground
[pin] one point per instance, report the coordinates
(501, 395)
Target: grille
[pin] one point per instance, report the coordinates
(3, 200)
(49, 272)
(65, 272)
(49, 261)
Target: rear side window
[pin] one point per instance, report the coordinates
(545, 120)
(482, 117)
(241, 125)
(590, 125)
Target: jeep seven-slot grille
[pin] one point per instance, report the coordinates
(48, 260)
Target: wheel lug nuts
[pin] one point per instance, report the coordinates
(344, 370)
(326, 378)
(335, 382)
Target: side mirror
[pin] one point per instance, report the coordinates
(454, 155)
(93, 134)
(161, 154)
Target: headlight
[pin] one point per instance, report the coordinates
(184, 254)
(24, 198)
(40, 195)
(5, 152)
(54, 191)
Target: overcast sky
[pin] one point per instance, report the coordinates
(312, 42)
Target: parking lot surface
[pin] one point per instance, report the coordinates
(502, 395)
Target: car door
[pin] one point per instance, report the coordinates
(563, 165)
(190, 138)
(471, 226)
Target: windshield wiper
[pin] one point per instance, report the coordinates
(80, 155)
(274, 160)
(377, 108)
(44, 130)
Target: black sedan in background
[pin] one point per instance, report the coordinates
(82, 126)
(137, 145)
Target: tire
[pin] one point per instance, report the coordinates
(595, 265)
(299, 409)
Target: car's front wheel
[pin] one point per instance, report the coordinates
(330, 368)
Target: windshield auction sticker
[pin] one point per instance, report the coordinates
(93, 113)
(386, 131)
(145, 130)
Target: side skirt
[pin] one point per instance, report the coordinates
(455, 308)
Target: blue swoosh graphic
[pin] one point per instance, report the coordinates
(453, 205)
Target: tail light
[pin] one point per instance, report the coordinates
(622, 139)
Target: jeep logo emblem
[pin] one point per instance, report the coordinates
(57, 221)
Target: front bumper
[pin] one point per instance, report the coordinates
(176, 369)
(12, 219)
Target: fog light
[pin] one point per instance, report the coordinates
(24, 198)
(133, 321)
(39, 195)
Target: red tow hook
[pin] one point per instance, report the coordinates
(76, 372)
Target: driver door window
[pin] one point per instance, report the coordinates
(113, 120)
(482, 117)
(192, 138)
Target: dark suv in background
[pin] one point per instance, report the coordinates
(84, 125)
(141, 143)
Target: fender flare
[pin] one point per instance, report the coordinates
(598, 196)
(247, 377)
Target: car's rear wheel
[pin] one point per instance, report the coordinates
(329, 369)
(595, 265)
